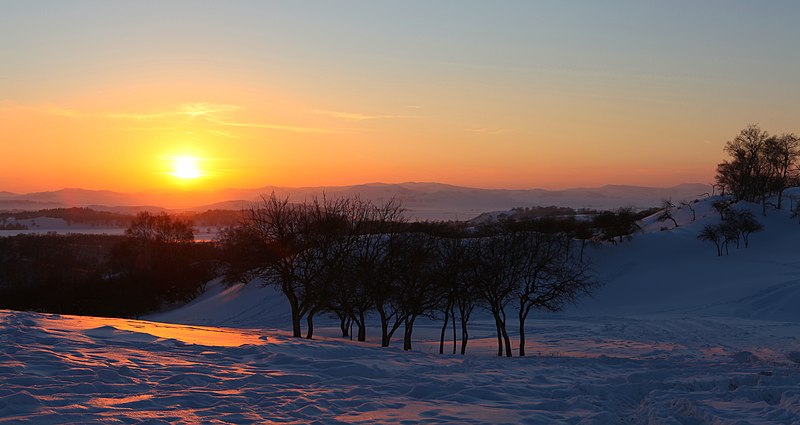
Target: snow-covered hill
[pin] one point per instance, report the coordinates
(676, 335)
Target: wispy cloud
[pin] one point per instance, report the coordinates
(491, 130)
(220, 115)
(355, 116)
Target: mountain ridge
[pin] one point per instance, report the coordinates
(423, 200)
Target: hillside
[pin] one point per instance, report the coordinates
(676, 335)
(657, 272)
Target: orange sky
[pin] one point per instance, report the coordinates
(105, 95)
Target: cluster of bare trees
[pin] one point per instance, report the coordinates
(761, 165)
(736, 227)
(160, 228)
(354, 259)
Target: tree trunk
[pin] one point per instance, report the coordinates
(499, 333)
(523, 313)
(296, 331)
(453, 319)
(310, 322)
(343, 324)
(464, 336)
(384, 327)
(362, 327)
(506, 339)
(444, 330)
(409, 329)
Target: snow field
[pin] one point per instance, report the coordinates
(67, 369)
(676, 335)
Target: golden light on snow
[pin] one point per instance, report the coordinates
(186, 167)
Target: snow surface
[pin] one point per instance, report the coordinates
(676, 336)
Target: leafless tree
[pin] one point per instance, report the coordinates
(550, 277)
(160, 228)
(498, 275)
(713, 233)
(666, 212)
(691, 208)
(420, 291)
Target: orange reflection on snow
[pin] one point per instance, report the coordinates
(138, 330)
(193, 334)
(115, 401)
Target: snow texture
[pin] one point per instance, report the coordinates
(676, 335)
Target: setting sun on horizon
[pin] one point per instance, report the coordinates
(186, 167)
(512, 95)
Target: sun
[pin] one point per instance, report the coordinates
(186, 167)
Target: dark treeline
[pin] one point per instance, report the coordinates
(213, 218)
(208, 218)
(530, 213)
(157, 262)
(761, 166)
(73, 215)
(350, 258)
(344, 258)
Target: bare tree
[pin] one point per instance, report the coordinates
(277, 224)
(745, 223)
(713, 233)
(782, 153)
(453, 280)
(497, 279)
(666, 212)
(364, 268)
(160, 228)
(691, 208)
(550, 278)
(722, 206)
(730, 233)
(308, 242)
(420, 293)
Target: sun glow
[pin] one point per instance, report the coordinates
(186, 167)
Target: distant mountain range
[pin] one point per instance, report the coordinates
(421, 200)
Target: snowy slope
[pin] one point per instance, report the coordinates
(672, 271)
(240, 306)
(67, 369)
(657, 272)
(676, 336)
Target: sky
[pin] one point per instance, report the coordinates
(204, 95)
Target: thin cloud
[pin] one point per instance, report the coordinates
(214, 114)
(355, 116)
(491, 130)
(296, 129)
